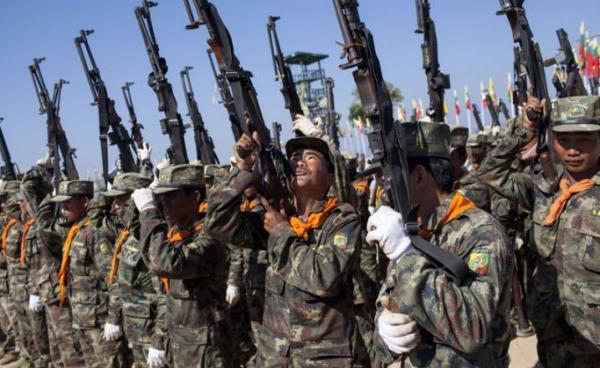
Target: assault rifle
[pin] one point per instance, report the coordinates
(136, 128)
(492, 109)
(283, 72)
(332, 116)
(477, 116)
(437, 81)
(157, 80)
(57, 139)
(7, 172)
(573, 86)
(107, 116)
(385, 139)
(226, 98)
(277, 134)
(520, 81)
(504, 109)
(273, 166)
(205, 148)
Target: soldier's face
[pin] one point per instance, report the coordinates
(74, 209)
(311, 171)
(178, 206)
(477, 154)
(119, 203)
(579, 152)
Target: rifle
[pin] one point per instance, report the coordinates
(437, 81)
(273, 166)
(58, 144)
(574, 85)
(520, 81)
(205, 148)
(477, 117)
(7, 171)
(157, 80)
(492, 109)
(226, 98)
(277, 134)
(332, 116)
(386, 140)
(136, 128)
(283, 72)
(504, 109)
(107, 116)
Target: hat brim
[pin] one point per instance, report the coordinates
(319, 145)
(572, 128)
(115, 193)
(61, 198)
(162, 190)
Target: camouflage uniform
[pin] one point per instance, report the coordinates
(563, 299)
(461, 325)
(90, 256)
(137, 296)
(196, 268)
(308, 319)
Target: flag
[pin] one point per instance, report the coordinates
(456, 104)
(422, 113)
(588, 56)
(483, 100)
(445, 107)
(401, 113)
(510, 88)
(468, 103)
(582, 46)
(492, 91)
(595, 59)
(359, 125)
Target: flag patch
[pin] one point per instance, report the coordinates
(479, 263)
(340, 241)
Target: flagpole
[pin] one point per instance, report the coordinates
(350, 136)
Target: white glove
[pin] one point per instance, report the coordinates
(144, 152)
(398, 331)
(45, 161)
(35, 303)
(305, 126)
(163, 164)
(143, 199)
(232, 295)
(386, 228)
(156, 358)
(112, 332)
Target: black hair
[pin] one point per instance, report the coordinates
(190, 191)
(440, 168)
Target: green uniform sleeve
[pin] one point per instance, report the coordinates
(236, 266)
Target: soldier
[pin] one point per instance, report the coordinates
(459, 325)
(193, 264)
(458, 150)
(308, 319)
(137, 295)
(85, 265)
(563, 296)
(477, 148)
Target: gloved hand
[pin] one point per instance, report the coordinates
(232, 295)
(143, 199)
(305, 126)
(45, 161)
(162, 164)
(144, 152)
(156, 358)
(386, 228)
(112, 332)
(398, 331)
(35, 303)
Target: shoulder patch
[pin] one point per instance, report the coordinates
(104, 248)
(340, 241)
(479, 263)
(596, 213)
(192, 245)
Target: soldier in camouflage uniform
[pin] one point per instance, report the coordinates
(137, 299)
(193, 265)
(563, 298)
(458, 150)
(308, 319)
(459, 325)
(85, 265)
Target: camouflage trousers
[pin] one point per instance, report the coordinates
(140, 355)
(24, 332)
(366, 326)
(40, 339)
(564, 347)
(6, 323)
(202, 348)
(61, 334)
(99, 353)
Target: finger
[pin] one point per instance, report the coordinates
(298, 116)
(392, 318)
(373, 237)
(265, 203)
(545, 107)
(256, 140)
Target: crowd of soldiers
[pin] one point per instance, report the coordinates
(188, 265)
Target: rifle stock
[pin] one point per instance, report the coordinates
(136, 128)
(7, 172)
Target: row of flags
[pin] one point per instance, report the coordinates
(588, 55)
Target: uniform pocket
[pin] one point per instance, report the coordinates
(335, 353)
(83, 305)
(3, 281)
(591, 257)
(591, 297)
(545, 238)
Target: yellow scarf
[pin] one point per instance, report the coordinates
(26, 227)
(64, 264)
(175, 237)
(115, 259)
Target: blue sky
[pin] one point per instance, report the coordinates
(475, 45)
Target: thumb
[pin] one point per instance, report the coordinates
(373, 236)
(282, 208)
(265, 203)
(298, 116)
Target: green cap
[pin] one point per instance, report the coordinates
(458, 137)
(476, 140)
(218, 172)
(426, 139)
(72, 188)
(10, 187)
(176, 177)
(576, 114)
(316, 144)
(125, 183)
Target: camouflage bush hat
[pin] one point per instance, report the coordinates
(458, 137)
(476, 140)
(316, 144)
(576, 114)
(72, 188)
(215, 172)
(176, 177)
(125, 183)
(10, 187)
(426, 139)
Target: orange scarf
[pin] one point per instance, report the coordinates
(26, 227)
(115, 259)
(248, 206)
(315, 219)
(458, 206)
(378, 193)
(567, 192)
(175, 237)
(203, 207)
(361, 186)
(64, 263)
(9, 224)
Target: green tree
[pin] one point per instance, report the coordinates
(356, 110)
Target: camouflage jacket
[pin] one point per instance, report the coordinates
(308, 299)
(197, 271)
(3, 262)
(139, 293)
(462, 325)
(563, 299)
(18, 274)
(89, 266)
